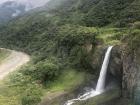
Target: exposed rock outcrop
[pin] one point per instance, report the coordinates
(115, 66)
(125, 67)
(131, 74)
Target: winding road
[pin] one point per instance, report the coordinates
(13, 62)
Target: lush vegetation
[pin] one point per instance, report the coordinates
(58, 41)
(54, 54)
(21, 89)
(99, 12)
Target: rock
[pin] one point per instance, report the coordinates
(115, 65)
(96, 59)
(100, 99)
(125, 67)
(131, 74)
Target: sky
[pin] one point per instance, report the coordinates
(34, 3)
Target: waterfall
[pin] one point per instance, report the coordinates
(101, 81)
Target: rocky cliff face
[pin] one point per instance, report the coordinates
(131, 75)
(125, 67)
(115, 66)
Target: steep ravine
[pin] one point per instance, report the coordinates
(123, 72)
(124, 67)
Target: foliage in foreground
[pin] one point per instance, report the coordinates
(22, 89)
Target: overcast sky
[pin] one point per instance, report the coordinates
(35, 3)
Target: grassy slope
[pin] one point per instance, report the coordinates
(11, 95)
(112, 36)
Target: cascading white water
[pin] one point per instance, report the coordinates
(101, 81)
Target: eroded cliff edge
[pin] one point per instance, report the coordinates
(125, 67)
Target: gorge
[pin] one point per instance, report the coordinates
(67, 42)
(100, 88)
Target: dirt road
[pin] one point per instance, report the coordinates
(13, 62)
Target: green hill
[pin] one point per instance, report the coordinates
(62, 38)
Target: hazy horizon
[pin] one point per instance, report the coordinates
(34, 3)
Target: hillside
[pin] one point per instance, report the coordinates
(71, 12)
(119, 12)
(100, 12)
(70, 37)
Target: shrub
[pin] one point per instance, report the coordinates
(31, 96)
(133, 40)
(46, 71)
(18, 79)
(71, 35)
(136, 25)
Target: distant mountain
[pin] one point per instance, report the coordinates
(12, 9)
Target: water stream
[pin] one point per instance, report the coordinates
(101, 81)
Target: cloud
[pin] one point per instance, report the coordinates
(33, 3)
(16, 13)
(38, 2)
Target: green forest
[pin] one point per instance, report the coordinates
(67, 40)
